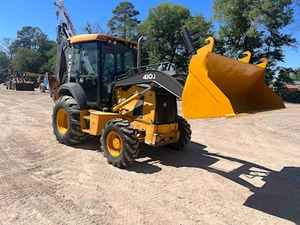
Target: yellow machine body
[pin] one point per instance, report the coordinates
(218, 86)
(93, 122)
(153, 134)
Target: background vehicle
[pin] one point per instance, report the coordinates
(22, 82)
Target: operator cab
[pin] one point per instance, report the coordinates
(96, 61)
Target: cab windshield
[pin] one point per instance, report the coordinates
(117, 59)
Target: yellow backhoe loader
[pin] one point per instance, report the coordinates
(96, 92)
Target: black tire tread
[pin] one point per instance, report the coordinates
(185, 134)
(74, 136)
(131, 143)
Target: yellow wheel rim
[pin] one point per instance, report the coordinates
(62, 121)
(114, 144)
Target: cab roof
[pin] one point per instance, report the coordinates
(98, 37)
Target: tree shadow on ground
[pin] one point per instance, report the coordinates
(279, 196)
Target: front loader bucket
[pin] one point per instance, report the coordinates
(218, 86)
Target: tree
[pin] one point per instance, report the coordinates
(4, 65)
(32, 51)
(27, 60)
(5, 46)
(163, 30)
(201, 27)
(124, 22)
(255, 25)
(31, 38)
(49, 58)
(92, 28)
(297, 72)
(284, 76)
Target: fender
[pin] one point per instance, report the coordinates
(76, 91)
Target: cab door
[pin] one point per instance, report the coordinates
(108, 72)
(116, 60)
(86, 69)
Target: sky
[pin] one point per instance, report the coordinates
(41, 13)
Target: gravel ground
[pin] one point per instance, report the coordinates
(244, 170)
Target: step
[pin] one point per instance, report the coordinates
(87, 131)
(86, 118)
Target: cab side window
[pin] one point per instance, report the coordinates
(108, 72)
(124, 58)
(85, 60)
(128, 60)
(88, 59)
(120, 63)
(84, 68)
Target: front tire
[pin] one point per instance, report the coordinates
(119, 143)
(184, 136)
(66, 121)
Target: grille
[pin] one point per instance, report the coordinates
(166, 108)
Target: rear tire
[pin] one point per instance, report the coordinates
(119, 143)
(66, 121)
(185, 134)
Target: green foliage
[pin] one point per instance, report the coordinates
(33, 52)
(283, 77)
(198, 25)
(49, 59)
(92, 28)
(296, 75)
(30, 38)
(124, 22)
(4, 64)
(162, 29)
(27, 60)
(255, 25)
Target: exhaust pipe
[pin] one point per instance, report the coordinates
(139, 53)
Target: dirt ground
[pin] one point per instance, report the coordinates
(244, 170)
